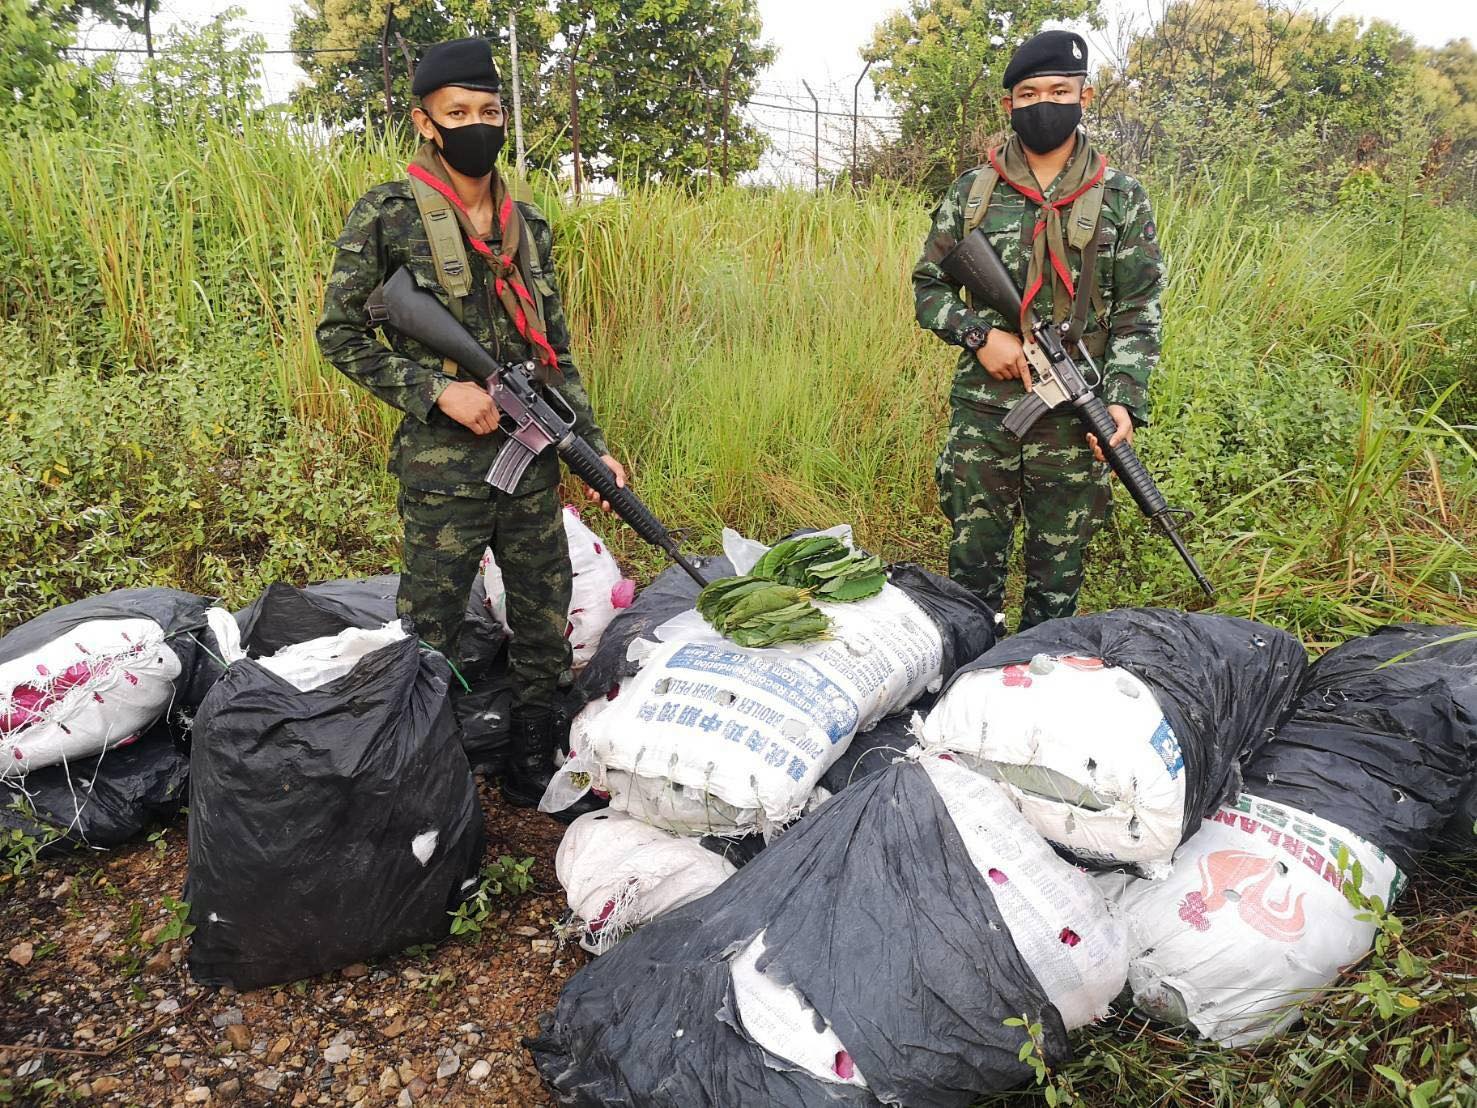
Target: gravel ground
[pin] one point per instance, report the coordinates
(87, 973)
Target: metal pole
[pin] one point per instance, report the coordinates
(856, 90)
(574, 119)
(148, 29)
(726, 69)
(817, 104)
(385, 56)
(517, 93)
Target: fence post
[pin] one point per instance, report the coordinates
(855, 111)
(817, 104)
(385, 57)
(726, 70)
(574, 119)
(517, 92)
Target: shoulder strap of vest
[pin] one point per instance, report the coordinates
(1082, 236)
(528, 266)
(977, 204)
(448, 251)
(979, 197)
(1087, 209)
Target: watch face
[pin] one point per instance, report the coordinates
(974, 338)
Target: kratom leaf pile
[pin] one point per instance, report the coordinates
(772, 603)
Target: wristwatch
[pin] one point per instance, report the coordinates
(975, 337)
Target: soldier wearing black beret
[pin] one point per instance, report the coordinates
(454, 223)
(1079, 237)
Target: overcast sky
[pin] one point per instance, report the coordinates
(819, 40)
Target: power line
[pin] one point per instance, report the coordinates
(253, 53)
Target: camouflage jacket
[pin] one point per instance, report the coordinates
(1130, 274)
(432, 452)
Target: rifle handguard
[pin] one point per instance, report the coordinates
(590, 468)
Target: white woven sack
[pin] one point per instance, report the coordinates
(1251, 922)
(91, 689)
(1083, 749)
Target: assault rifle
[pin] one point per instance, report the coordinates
(1057, 380)
(540, 417)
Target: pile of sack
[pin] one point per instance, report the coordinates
(1116, 733)
(324, 753)
(871, 955)
(94, 701)
(833, 871)
(875, 950)
(1273, 895)
(692, 737)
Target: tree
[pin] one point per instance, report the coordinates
(1215, 74)
(643, 82)
(338, 44)
(658, 84)
(128, 14)
(206, 72)
(940, 63)
(33, 36)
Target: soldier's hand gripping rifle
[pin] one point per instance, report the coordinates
(536, 424)
(1057, 380)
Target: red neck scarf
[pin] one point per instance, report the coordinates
(507, 281)
(1085, 170)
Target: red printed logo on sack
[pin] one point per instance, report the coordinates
(1245, 880)
(1016, 677)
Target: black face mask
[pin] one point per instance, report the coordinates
(471, 150)
(1045, 126)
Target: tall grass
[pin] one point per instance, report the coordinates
(755, 358)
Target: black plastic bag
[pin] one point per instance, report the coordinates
(874, 912)
(873, 751)
(370, 602)
(482, 704)
(483, 714)
(103, 800)
(1460, 833)
(1225, 684)
(329, 826)
(1383, 748)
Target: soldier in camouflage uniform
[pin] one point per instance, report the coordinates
(1055, 479)
(449, 435)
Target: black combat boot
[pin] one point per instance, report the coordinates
(536, 732)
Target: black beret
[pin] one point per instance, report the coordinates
(1049, 54)
(464, 62)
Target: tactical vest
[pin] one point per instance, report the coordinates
(450, 259)
(1082, 227)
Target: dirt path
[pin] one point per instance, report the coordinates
(100, 981)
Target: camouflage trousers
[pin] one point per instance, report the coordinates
(444, 540)
(986, 477)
